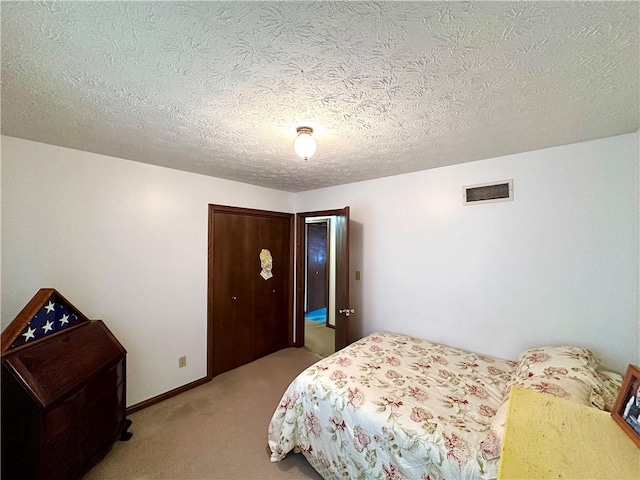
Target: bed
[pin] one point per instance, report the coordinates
(391, 406)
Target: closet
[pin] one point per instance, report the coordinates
(250, 314)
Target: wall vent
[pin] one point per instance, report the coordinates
(488, 192)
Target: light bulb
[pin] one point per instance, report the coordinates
(305, 145)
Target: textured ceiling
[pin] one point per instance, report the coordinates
(218, 88)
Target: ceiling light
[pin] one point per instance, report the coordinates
(305, 145)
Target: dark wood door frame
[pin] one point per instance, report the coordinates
(211, 266)
(342, 273)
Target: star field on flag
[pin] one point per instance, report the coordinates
(53, 317)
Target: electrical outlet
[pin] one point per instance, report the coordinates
(182, 362)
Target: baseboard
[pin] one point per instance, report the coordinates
(166, 395)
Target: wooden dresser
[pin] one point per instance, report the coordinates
(63, 391)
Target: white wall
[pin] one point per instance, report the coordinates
(125, 242)
(557, 265)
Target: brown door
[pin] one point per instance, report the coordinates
(317, 279)
(342, 307)
(249, 311)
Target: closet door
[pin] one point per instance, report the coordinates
(250, 314)
(273, 306)
(232, 290)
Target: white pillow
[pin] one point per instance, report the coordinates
(604, 396)
(563, 371)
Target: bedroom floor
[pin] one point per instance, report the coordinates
(215, 431)
(319, 338)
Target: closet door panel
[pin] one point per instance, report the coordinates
(233, 302)
(250, 315)
(272, 295)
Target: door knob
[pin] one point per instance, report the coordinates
(347, 311)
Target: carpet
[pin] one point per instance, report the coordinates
(319, 338)
(217, 431)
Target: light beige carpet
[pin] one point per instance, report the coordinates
(215, 431)
(319, 338)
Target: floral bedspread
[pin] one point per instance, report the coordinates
(394, 407)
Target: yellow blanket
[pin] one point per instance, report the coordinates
(547, 437)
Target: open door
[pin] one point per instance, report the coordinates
(341, 305)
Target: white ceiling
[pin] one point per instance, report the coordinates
(218, 88)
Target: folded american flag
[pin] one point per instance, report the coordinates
(54, 316)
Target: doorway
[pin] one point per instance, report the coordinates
(319, 318)
(338, 309)
(250, 316)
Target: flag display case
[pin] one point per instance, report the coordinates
(63, 391)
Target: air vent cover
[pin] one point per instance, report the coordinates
(488, 192)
